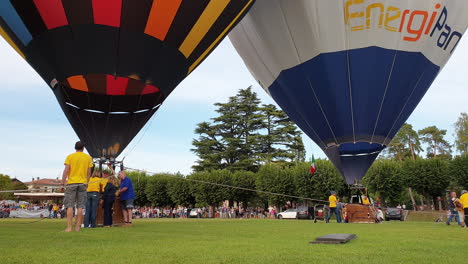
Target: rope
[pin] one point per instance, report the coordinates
(266, 192)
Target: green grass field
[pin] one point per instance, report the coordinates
(231, 241)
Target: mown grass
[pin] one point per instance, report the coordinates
(231, 241)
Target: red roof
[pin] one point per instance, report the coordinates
(45, 182)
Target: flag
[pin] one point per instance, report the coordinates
(312, 165)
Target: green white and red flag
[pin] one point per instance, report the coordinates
(312, 165)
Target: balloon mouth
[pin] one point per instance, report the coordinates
(354, 159)
(360, 149)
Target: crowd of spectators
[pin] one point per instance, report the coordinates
(54, 210)
(203, 212)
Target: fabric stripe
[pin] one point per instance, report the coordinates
(11, 42)
(223, 21)
(116, 86)
(220, 37)
(30, 16)
(78, 82)
(161, 16)
(96, 83)
(188, 14)
(135, 14)
(148, 89)
(79, 12)
(52, 13)
(14, 22)
(199, 30)
(107, 12)
(134, 87)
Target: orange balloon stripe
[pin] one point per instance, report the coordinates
(161, 16)
(78, 82)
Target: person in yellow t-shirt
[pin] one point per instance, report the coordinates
(333, 200)
(76, 174)
(365, 200)
(92, 201)
(464, 201)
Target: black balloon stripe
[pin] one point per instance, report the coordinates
(31, 18)
(79, 12)
(188, 14)
(135, 14)
(230, 12)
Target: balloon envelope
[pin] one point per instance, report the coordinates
(349, 72)
(111, 63)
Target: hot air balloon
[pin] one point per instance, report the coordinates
(349, 73)
(112, 63)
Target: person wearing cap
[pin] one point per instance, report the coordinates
(76, 175)
(333, 202)
(464, 201)
(452, 202)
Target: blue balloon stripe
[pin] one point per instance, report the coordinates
(11, 17)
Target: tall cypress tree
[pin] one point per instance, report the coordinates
(245, 135)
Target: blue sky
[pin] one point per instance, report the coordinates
(35, 136)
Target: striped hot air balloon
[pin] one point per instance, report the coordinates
(111, 63)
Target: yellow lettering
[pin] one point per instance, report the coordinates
(349, 15)
(369, 13)
(389, 18)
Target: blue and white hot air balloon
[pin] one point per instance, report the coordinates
(349, 72)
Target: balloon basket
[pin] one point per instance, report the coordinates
(117, 215)
(358, 213)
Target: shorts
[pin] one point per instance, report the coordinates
(75, 194)
(127, 204)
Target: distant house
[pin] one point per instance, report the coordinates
(45, 185)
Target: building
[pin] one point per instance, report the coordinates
(45, 185)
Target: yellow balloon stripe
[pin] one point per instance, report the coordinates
(204, 23)
(220, 37)
(11, 42)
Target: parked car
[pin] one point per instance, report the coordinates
(305, 212)
(394, 214)
(288, 214)
(193, 213)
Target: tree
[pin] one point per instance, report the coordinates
(438, 146)
(180, 191)
(276, 179)
(209, 194)
(139, 180)
(406, 144)
(459, 170)
(156, 190)
(385, 179)
(282, 141)
(461, 133)
(231, 141)
(5, 184)
(243, 179)
(428, 177)
(318, 185)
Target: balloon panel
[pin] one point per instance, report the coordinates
(349, 72)
(106, 56)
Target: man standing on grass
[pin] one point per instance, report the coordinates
(332, 200)
(78, 171)
(127, 196)
(453, 208)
